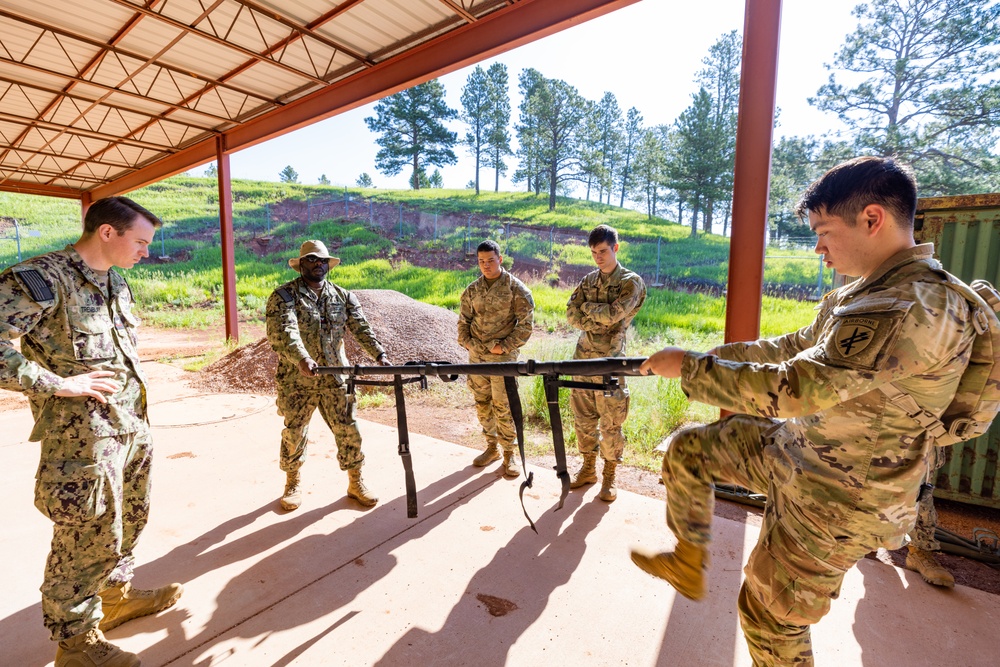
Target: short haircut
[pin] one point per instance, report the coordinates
(489, 245)
(119, 212)
(603, 234)
(845, 190)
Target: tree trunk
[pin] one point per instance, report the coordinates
(694, 218)
(477, 172)
(552, 186)
(706, 220)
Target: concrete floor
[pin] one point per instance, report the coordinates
(466, 583)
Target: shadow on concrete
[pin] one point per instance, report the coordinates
(508, 594)
(290, 570)
(698, 624)
(305, 562)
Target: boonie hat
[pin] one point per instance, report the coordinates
(317, 248)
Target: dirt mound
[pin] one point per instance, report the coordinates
(408, 329)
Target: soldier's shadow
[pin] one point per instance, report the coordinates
(507, 595)
(292, 569)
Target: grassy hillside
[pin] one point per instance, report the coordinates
(186, 291)
(271, 219)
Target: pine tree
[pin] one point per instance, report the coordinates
(923, 87)
(413, 132)
(498, 122)
(476, 107)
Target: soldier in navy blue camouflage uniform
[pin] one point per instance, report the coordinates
(79, 367)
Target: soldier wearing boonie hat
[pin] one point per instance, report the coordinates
(306, 321)
(313, 249)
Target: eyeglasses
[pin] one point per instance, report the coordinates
(313, 259)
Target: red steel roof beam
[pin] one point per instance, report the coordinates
(496, 33)
(228, 244)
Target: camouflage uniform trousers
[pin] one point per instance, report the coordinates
(97, 495)
(298, 406)
(598, 419)
(799, 562)
(922, 535)
(492, 406)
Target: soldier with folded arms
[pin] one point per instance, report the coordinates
(79, 367)
(602, 307)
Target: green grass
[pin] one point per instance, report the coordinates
(187, 292)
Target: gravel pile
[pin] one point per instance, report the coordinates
(410, 330)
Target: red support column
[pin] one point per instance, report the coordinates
(86, 199)
(761, 29)
(228, 246)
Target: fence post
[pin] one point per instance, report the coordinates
(163, 246)
(656, 280)
(17, 238)
(819, 281)
(347, 204)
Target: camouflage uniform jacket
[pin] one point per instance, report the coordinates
(69, 326)
(847, 456)
(497, 314)
(302, 325)
(603, 307)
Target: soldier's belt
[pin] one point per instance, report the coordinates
(609, 369)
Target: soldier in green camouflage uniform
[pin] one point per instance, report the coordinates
(494, 322)
(79, 367)
(306, 322)
(602, 307)
(841, 465)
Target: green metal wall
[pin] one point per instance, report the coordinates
(965, 232)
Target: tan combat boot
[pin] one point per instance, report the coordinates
(511, 468)
(683, 568)
(91, 649)
(927, 565)
(587, 474)
(356, 489)
(122, 602)
(490, 455)
(292, 498)
(608, 490)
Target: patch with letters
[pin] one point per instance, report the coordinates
(862, 335)
(36, 284)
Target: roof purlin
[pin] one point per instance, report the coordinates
(496, 33)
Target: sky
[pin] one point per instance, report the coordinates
(646, 54)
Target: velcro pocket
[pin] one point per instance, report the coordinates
(92, 337)
(861, 335)
(71, 492)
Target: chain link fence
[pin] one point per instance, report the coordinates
(555, 255)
